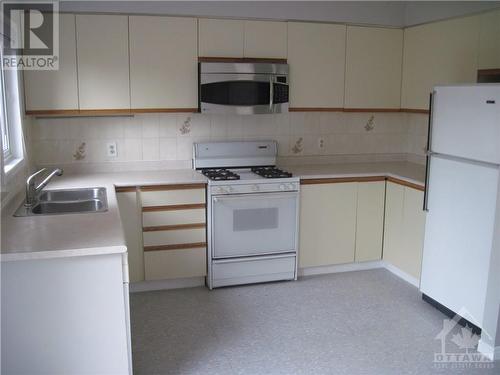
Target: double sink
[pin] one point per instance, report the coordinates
(68, 201)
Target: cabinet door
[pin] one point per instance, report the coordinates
(489, 40)
(163, 62)
(327, 224)
(103, 62)
(220, 38)
(316, 54)
(438, 53)
(56, 89)
(373, 67)
(265, 39)
(370, 221)
(172, 264)
(414, 231)
(404, 228)
(131, 222)
(394, 225)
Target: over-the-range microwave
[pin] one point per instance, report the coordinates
(243, 88)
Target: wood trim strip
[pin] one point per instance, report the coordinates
(372, 110)
(53, 112)
(336, 180)
(414, 110)
(125, 189)
(488, 71)
(129, 112)
(406, 183)
(181, 246)
(97, 112)
(174, 207)
(173, 187)
(106, 112)
(315, 109)
(164, 110)
(173, 227)
(356, 110)
(242, 60)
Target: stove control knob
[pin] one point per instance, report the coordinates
(255, 187)
(231, 189)
(282, 187)
(289, 186)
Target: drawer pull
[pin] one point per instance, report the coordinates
(176, 246)
(173, 207)
(173, 227)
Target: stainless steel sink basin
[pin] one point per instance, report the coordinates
(70, 201)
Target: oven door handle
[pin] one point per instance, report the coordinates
(271, 93)
(263, 195)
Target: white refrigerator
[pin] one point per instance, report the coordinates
(461, 197)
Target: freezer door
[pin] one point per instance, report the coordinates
(459, 234)
(466, 122)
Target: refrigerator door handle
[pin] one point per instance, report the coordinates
(428, 153)
(426, 187)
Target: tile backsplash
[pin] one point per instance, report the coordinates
(169, 137)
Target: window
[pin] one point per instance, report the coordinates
(10, 119)
(3, 121)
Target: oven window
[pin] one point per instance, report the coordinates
(255, 219)
(238, 93)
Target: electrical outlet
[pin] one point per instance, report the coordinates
(321, 142)
(112, 151)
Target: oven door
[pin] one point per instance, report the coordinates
(254, 224)
(242, 93)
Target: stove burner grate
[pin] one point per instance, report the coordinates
(271, 172)
(220, 174)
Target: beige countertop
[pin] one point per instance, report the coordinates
(410, 172)
(54, 236)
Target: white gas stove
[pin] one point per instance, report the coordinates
(252, 212)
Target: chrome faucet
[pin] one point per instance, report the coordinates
(33, 191)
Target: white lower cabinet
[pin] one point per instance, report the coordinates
(327, 223)
(165, 231)
(174, 231)
(131, 221)
(404, 228)
(345, 222)
(369, 221)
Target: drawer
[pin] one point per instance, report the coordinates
(170, 264)
(159, 218)
(252, 270)
(171, 237)
(172, 197)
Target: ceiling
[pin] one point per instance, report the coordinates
(383, 13)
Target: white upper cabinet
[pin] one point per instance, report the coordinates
(103, 62)
(265, 39)
(220, 38)
(438, 53)
(163, 62)
(239, 38)
(316, 55)
(489, 40)
(57, 89)
(373, 67)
